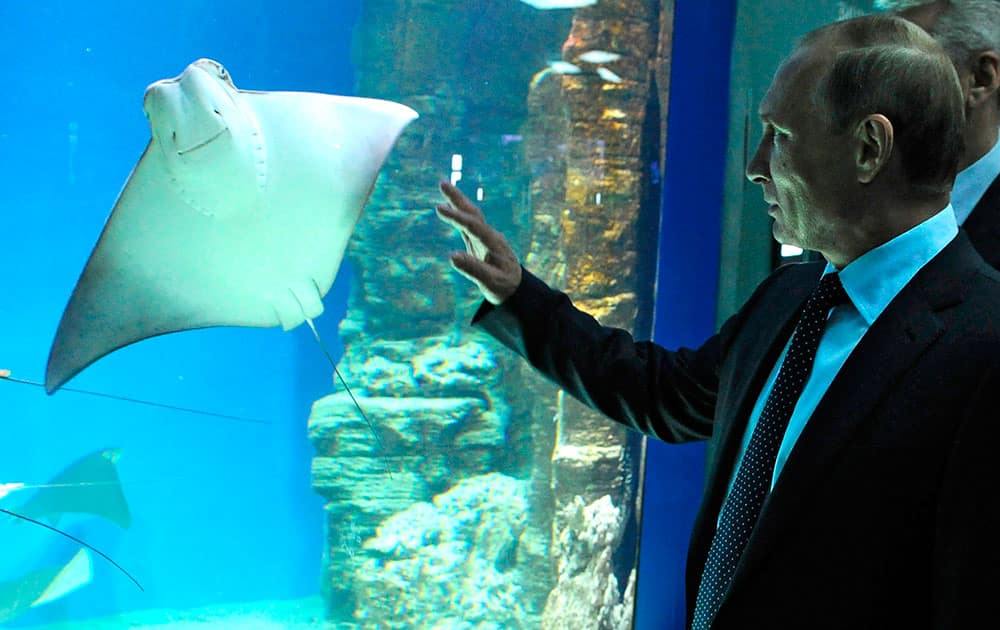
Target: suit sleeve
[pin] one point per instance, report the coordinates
(670, 395)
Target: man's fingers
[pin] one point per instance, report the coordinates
(469, 246)
(466, 229)
(472, 226)
(472, 267)
(461, 210)
(460, 220)
(483, 274)
(459, 200)
(496, 282)
(489, 261)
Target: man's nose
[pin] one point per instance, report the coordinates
(757, 169)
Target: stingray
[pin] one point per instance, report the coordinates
(237, 214)
(90, 485)
(44, 585)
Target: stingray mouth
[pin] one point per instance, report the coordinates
(201, 144)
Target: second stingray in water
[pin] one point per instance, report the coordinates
(237, 214)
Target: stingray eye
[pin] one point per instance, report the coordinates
(173, 136)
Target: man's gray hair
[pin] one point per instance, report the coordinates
(967, 27)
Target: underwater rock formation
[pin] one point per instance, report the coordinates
(494, 500)
(606, 226)
(661, 73)
(426, 399)
(451, 562)
(589, 595)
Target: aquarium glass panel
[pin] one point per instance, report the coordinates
(240, 383)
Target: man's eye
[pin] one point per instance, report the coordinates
(772, 133)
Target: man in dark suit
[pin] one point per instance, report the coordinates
(969, 31)
(852, 407)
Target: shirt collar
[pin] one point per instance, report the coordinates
(873, 279)
(972, 182)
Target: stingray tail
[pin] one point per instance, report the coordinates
(371, 426)
(76, 540)
(5, 375)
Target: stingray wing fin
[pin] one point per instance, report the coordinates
(137, 280)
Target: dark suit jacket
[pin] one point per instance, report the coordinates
(886, 513)
(983, 225)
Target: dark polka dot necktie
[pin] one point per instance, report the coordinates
(753, 480)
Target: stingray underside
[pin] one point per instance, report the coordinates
(228, 236)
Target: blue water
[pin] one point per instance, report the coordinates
(222, 509)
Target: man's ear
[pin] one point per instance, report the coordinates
(873, 146)
(983, 79)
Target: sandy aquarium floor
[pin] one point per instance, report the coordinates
(300, 614)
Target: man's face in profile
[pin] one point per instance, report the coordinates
(800, 163)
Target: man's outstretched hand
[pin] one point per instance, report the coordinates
(488, 260)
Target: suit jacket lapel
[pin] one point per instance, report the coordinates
(983, 225)
(771, 327)
(907, 327)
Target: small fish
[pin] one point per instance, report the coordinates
(559, 4)
(608, 75)
(554, 68)
(564, 67)
(599, 56)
